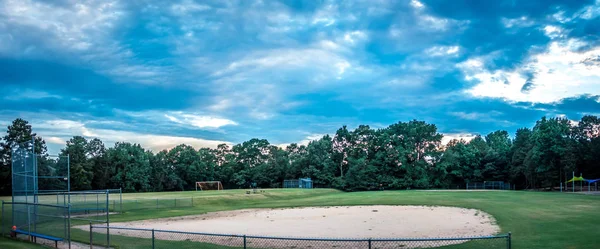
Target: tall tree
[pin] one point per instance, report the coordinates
(132, 167)
(81, 168)
(19, 133)
(496, 160)
(521, 172)
(101, 170)
(552, 151)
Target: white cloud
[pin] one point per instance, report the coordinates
(58, 131)
(30, 94)
(489, 117)
(188, 6)
(520, 22)
(325, 16)
(329, 45)
(435, 23)
(55, 140)
(73, 27)
(199, 121)
(355, 36)
(261, 81)
(342, 66)
(305, 141)
(458, 136)
(443, 51)
(553, 31)
(559, 72)
(590, 12)
(416, 4)
(80, 33)
(323, 20)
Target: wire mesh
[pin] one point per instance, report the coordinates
(52, 173)
(138, 204)
(123, 237)
(36, 218)
(23, 174)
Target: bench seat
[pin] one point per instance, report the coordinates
(39, 235)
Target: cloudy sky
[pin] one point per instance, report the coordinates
(161, 73)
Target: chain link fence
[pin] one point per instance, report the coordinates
(139, 204)
(32, 218)
(490, 185)
(124, 237)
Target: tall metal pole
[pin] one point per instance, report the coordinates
(69, 175)
(2, 218)
(69, 224)
(107, 223)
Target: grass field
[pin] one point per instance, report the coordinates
(536, 219)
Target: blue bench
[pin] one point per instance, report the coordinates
(39, 235)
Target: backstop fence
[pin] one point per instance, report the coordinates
(32, 218)
(298, 183)
(124, 237)
(498, 185)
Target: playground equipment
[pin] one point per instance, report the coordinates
(581, 180)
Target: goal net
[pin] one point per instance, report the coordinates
(209, 185)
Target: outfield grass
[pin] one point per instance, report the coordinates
(536, 219)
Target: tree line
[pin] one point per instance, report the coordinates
(405, 155)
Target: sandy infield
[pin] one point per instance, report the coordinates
(319, 222)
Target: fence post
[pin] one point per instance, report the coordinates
(107, 220)
(369, 243)
(508, 241)
(69, 224)
(91, 237)
(2, 218)
(152, 238)
(244, 241)
(121, 199)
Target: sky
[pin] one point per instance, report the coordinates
(162, 73)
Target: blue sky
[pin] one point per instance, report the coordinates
(161, 73)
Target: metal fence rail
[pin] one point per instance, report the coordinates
(126, 237)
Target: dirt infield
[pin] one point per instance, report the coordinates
(330, 222)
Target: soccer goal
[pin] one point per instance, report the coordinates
(209, 185)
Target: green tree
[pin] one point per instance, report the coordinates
(81, 168)
(101, 170)
(520, 171)
(496, 160)
(321, 165)
(587, 136)
(132, 167)
(19, 133)
(250, 159)
(552, 151)
(163, 176)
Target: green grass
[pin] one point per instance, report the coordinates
(18, 244)
(536, 219)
